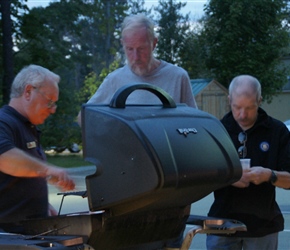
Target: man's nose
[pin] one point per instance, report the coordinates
(243, 114)
(53, 109)
(136, 54)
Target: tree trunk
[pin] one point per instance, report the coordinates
(7, 49)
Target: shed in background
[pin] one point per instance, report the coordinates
(210, 96)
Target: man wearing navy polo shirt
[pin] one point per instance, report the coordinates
(252, 200)
(23, 167)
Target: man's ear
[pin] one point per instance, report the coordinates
(155, 42)
(27, 90)
(260, 101)
(229, 99)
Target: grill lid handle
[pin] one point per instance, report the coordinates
(120, 97)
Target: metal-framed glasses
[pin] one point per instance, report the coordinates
(242, 150)
(50, 104)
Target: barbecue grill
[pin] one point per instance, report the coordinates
(152, 161)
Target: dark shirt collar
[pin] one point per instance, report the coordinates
(232, 126)
(14, 112)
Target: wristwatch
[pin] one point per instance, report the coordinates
(273, 177)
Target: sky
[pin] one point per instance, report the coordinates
(195, 7)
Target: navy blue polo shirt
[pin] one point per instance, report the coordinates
(20, 198)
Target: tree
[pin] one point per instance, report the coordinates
(52, 43)
(10, 30)
(172, 28)
(7, 49)
(247, 37)
(76, 39)
(93, 81)
(138, 7)
(79, 34)
(193, 55)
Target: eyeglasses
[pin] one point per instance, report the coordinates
(50, 104)
(242, 150)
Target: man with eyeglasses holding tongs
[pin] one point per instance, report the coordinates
(265, 141)
(24, 171)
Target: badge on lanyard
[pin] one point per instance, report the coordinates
(31, 144)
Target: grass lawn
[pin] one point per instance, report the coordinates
(67, 160)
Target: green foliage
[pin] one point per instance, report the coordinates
(247, 37)
(193, 55)
(92, 82)
(77, 39)
(80, 41)
(90, 86)
(179, 41)
(172, 28)
(61, 129)
(136, 7)
(10, 24)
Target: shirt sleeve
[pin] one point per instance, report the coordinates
(284, 150)
(186, 93)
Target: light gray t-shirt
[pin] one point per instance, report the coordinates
(173, 79)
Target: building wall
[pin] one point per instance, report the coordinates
(279, 108)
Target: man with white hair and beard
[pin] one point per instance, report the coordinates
(139, 41)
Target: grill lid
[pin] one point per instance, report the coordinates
(154, 156)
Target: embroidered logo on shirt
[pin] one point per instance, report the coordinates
(264, 146)
(31, 144)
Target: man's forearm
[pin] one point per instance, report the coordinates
(18, 163)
